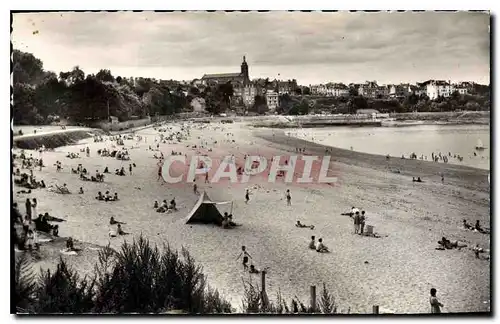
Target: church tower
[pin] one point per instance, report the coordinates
(244, 71)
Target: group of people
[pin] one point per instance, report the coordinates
(319, 247)
(165, 207)
(106, 197)
(359, 220)
(477, 227)
(246, 256)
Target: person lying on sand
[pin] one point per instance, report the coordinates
(62, 190)
(417, 180)
(321, 248)
(478, 228)
(312, 244)
(24, 191)
(299, 224)
(112, 221)
(447, 244)
(467, 226)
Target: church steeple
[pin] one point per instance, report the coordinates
(244, 71)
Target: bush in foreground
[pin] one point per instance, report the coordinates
(140, 278)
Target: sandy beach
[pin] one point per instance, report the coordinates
(395, 271)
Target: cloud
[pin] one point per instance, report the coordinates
(376, 41)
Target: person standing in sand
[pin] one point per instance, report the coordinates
(28, 208)
(246, 255)
(435, 304)
(33, 206)
(130, 168)
(288, 198)
(356, 222)
(247, 197)
(362, 219)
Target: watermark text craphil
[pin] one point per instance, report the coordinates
(304, 169)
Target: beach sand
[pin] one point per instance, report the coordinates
(395, 271)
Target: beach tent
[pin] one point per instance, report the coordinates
(205, 211)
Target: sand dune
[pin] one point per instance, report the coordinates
(401, 267)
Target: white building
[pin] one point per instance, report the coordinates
(249, 93)
(436, 89)
(272, 100)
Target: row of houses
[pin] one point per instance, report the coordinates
(370, 89)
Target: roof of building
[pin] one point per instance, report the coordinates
(222, 75)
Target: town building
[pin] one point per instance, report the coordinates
(369, 89)
(272, 100)
(437, 88)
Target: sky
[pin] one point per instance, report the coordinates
(313, 48)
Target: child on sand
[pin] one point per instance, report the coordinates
(435, 304)
(246, 255)
(312, 244)
(288, 197)
(321, 248)
(247, 197)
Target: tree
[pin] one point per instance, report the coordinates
(105, 76)
(26, 68)
(353, 92)
(260, 105)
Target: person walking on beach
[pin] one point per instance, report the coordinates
(435, 304)
(130, 168)
(362, 219)
(356, 222)
(247, 197)
(159, 171)
(245, 255)
(195, 187)
(288, 198)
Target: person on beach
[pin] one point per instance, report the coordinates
(312, 244)
(81, 191)
(28, 208)
(288, 198)
(130, 168)
(321, 248)
(156, 204)
(112, 221)
(299, 224)
(356, 222)
(362, 219)
(33, 206)
(435, 304)
(354, 210)
(247, 196)
(173, 204)
(245, 255)
(159, 172)
(195, 187)
(467, 226)
(206, 177)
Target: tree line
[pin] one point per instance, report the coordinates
(41, 96)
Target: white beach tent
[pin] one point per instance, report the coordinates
(205, 211)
